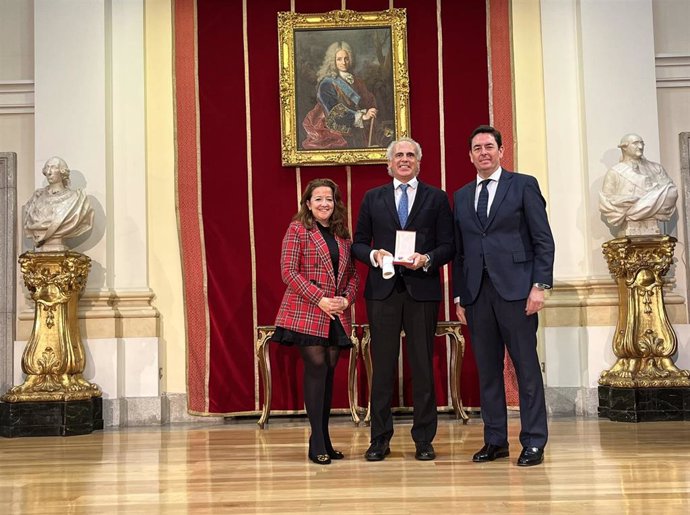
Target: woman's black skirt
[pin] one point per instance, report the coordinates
(336, 337)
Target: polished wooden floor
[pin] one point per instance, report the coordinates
(592, 466)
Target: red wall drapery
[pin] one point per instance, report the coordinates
(235, 199)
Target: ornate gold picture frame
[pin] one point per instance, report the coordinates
(344, 87)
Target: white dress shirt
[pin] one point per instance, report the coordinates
(411, 194)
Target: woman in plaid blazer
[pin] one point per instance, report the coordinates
(314, 314)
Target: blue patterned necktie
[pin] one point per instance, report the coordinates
(483, 201)
(403, 208)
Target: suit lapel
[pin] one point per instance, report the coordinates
(342, 260)
(419, 200)
(469, 203)
(503, 186)
(389, 201)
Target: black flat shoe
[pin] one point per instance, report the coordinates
(335, 455)
(424, 452)
(321, 459)
(378, 450)
(490, 452)
(531, 456)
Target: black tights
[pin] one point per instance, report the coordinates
(319, 369)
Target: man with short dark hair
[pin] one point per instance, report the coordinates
(503, 264)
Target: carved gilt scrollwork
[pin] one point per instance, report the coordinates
(644, 342)
(53, 359)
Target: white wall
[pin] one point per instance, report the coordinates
(565, 132)
(122, 368)
(71, 107)
(672, 49)
(90, 111)
(600, 77)
(16, 40)
(88, 57)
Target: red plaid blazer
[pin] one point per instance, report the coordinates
(307, 270)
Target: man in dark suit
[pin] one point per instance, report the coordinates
(503, 264)
(410, 299)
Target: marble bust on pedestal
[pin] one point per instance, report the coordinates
(637, 193)
(56, 212)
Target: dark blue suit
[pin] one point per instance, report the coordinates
(493, 273)
(409, 301)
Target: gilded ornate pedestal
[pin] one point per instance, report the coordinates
(644, 342)
(53, 359)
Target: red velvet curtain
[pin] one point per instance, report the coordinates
(236, 200)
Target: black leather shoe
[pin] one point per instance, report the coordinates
(320, 459)
(531, 456)
(490, 452)
(424, 452)
(378, 450)
(335, 455)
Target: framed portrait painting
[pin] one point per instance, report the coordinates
(344, 87)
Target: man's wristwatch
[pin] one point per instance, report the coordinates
(427, 264)
(541, 286)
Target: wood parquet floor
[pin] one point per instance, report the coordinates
(592, 466)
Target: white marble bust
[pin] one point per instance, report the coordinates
(637, 193)
(56, 212)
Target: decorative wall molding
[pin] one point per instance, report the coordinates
(171, 408)
(594, 302)
(106, 314)
(599, 291)
(8, 262)
(684, 208)
(16, 96)
(105, 304)
(571, 401)
(672, 70)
